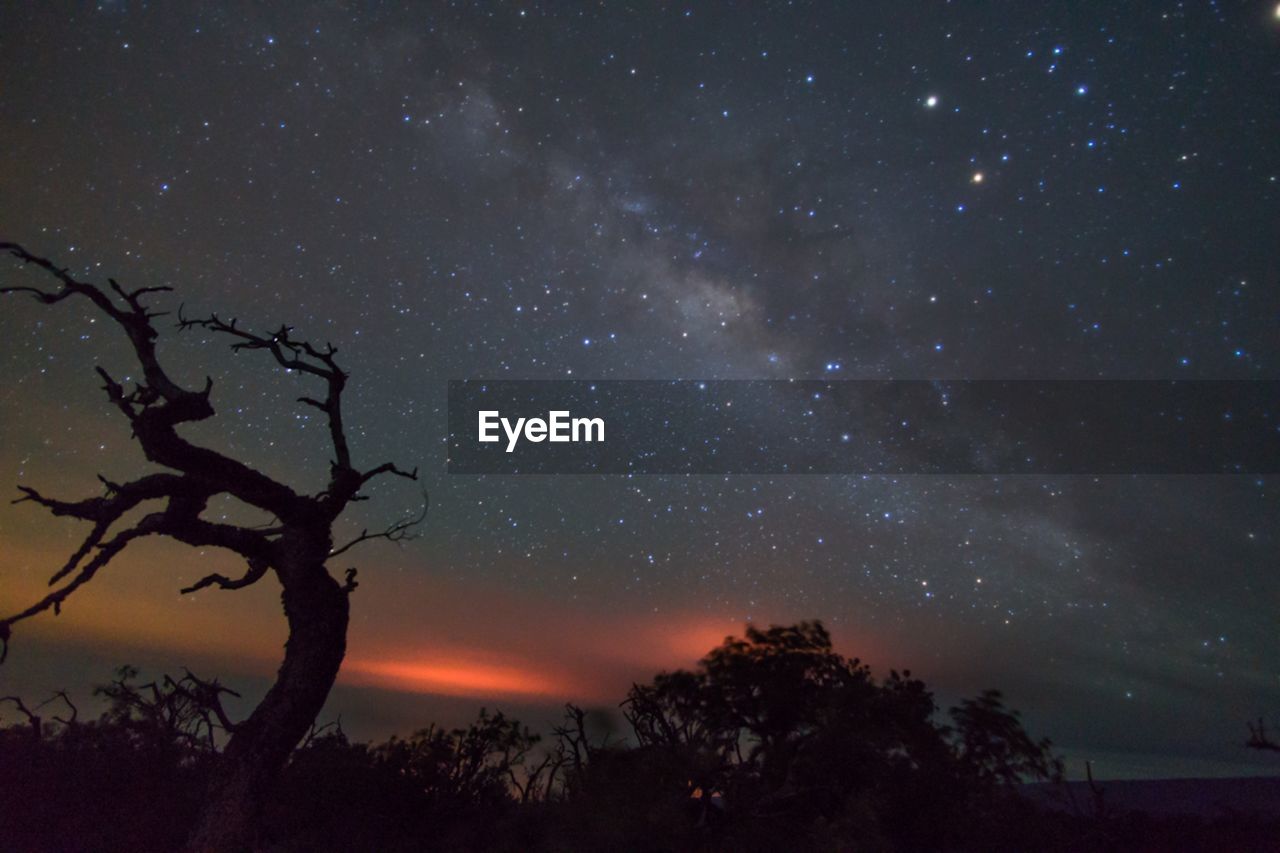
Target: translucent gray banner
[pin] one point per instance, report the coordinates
(864, 427)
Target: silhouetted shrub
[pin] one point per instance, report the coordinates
(774, 742)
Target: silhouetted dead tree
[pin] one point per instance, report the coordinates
(185, 711)
(295, 548)
(34, 720)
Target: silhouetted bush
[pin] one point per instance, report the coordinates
(774, 742)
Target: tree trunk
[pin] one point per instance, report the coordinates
(317, 610)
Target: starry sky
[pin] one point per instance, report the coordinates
(658, 191)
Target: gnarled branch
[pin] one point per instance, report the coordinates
(158, 404)
(66, 700)
(387, 468)
(257, 569)
(105, 511)
(149, 525)
(33, 720)
(400, 531)
(291, 354)
(205, 695)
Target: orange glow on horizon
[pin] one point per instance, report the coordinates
(488, 642)
(454, 678)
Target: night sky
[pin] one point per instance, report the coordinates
(658, 191)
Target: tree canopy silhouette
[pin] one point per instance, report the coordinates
(295, 547)
(782, 731)
(717, 758)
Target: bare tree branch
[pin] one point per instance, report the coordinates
(62, 694)
(292, 354)
(316, 732)
(158, 404)
(107, 550)
(70, 286)
(350, 584)
(387, 468)
(206, 695)
(257, 569)
(105, 511)
(400, 531)
(36, 724)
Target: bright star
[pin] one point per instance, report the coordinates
(931, 101)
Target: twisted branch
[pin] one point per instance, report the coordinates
(106, 552)
(205, 695)
(257, 568)
(400, 531)
(291, 354)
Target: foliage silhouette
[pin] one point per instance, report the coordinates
(774, 742)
